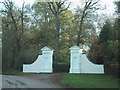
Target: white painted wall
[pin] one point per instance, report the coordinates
(43, 64)
(79, 63)
(34, 67)
(89, 67)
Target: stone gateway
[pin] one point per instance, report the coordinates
(79, 63)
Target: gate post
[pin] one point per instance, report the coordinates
(47, 60)
(74, 59)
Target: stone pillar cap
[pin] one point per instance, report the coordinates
(47, 49)
(75, 48)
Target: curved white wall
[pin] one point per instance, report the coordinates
(34, 67)
(79, 63)
(88, 67)
(43, 64)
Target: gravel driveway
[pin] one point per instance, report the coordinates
(32, 81)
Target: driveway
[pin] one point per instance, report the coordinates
(32, 81)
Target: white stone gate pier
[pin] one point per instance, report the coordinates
(43, 64)
(79, 63)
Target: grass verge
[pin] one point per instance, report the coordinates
(89, 81)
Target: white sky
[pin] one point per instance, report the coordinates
(110, 7)
(109, 4)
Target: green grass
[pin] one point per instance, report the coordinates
(89, 81)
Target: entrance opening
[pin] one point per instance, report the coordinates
(59, 67)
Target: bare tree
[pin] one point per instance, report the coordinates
(15, 15)
(9, 6)
(57, 8)
(22, 17)
(10, 12)
(89, 7)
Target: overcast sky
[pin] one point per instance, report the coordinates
(109, 4)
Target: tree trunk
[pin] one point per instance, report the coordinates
(79, 32)
(57, 36)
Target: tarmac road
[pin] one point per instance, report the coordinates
(32, 81)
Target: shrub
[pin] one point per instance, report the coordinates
(112, 69)
(60, 67)
(111, 60)
(95, 53)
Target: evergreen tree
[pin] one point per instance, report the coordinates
(106, 32)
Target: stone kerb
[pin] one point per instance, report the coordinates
(75, 59)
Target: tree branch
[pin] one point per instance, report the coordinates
(50, 6)
(65, 8)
